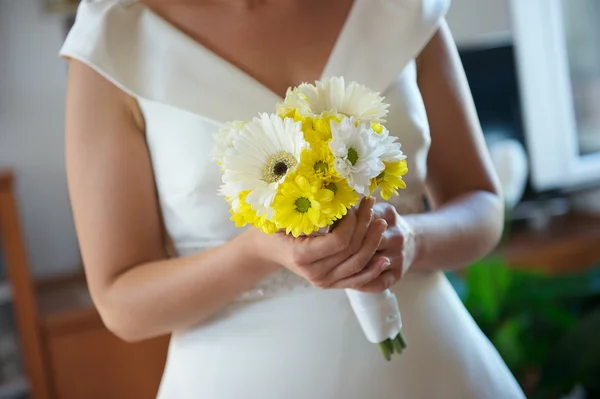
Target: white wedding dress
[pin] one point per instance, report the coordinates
(285, 339)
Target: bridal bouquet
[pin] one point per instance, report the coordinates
(302, 168)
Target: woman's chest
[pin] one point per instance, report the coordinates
(280, 44)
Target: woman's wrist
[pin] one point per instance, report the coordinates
(252, 248)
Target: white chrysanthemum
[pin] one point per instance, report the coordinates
(332, 94)
(223, 139)
(357, 151)
(266, 149)
(391, 149)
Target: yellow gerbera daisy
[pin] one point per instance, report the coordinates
(302, 206)
(390, 180)
(344, 197)
(242, 214)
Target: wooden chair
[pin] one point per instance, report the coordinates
(25, 306)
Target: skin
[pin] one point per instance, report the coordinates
(141, 292)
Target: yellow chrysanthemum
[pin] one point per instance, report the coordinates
(390, 180)
(288, 112)
(318, 128)
(317, 163)
(242, 214)
(344, 197)
(310, 134)
(302, 206)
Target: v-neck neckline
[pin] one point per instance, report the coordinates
(245, 75)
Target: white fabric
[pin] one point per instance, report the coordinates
(287, 339)
(378, 314)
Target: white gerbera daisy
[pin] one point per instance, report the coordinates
(332, 94)
(264, 152)
(391, 149)
(223, 139)
(357, 151)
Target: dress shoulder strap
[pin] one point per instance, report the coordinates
(101, 38)
(148, 58)
(387, 35)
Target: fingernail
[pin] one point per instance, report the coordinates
(386, 264)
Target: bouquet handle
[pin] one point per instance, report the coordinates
(379, 317)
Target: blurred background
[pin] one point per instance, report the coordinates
(534, 69)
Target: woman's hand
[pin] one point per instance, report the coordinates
(344, 258)
(397, 244)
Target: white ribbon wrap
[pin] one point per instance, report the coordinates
(378, 314)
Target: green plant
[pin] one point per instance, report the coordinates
(575, 360)
(531, 317)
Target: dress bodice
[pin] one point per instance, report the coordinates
(186, 92)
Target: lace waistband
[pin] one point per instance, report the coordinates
(281, 282)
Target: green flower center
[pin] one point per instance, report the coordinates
(352, 156)
(380, 177)
(302, 204)
(321, 167)
(333, 187)
(277, 166)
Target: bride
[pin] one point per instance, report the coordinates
(265, 316)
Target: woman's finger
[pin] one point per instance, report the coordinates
(363, 221)
(357, 262)
(376, 266)
(312, 249)
(334, 247)
(383, 282)
(364, 218)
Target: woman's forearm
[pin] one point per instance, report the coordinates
(159, 297)
(458, 233)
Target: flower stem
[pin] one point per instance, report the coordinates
(385, 351)
(402, 340)
(391, 346)
(397, 345)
